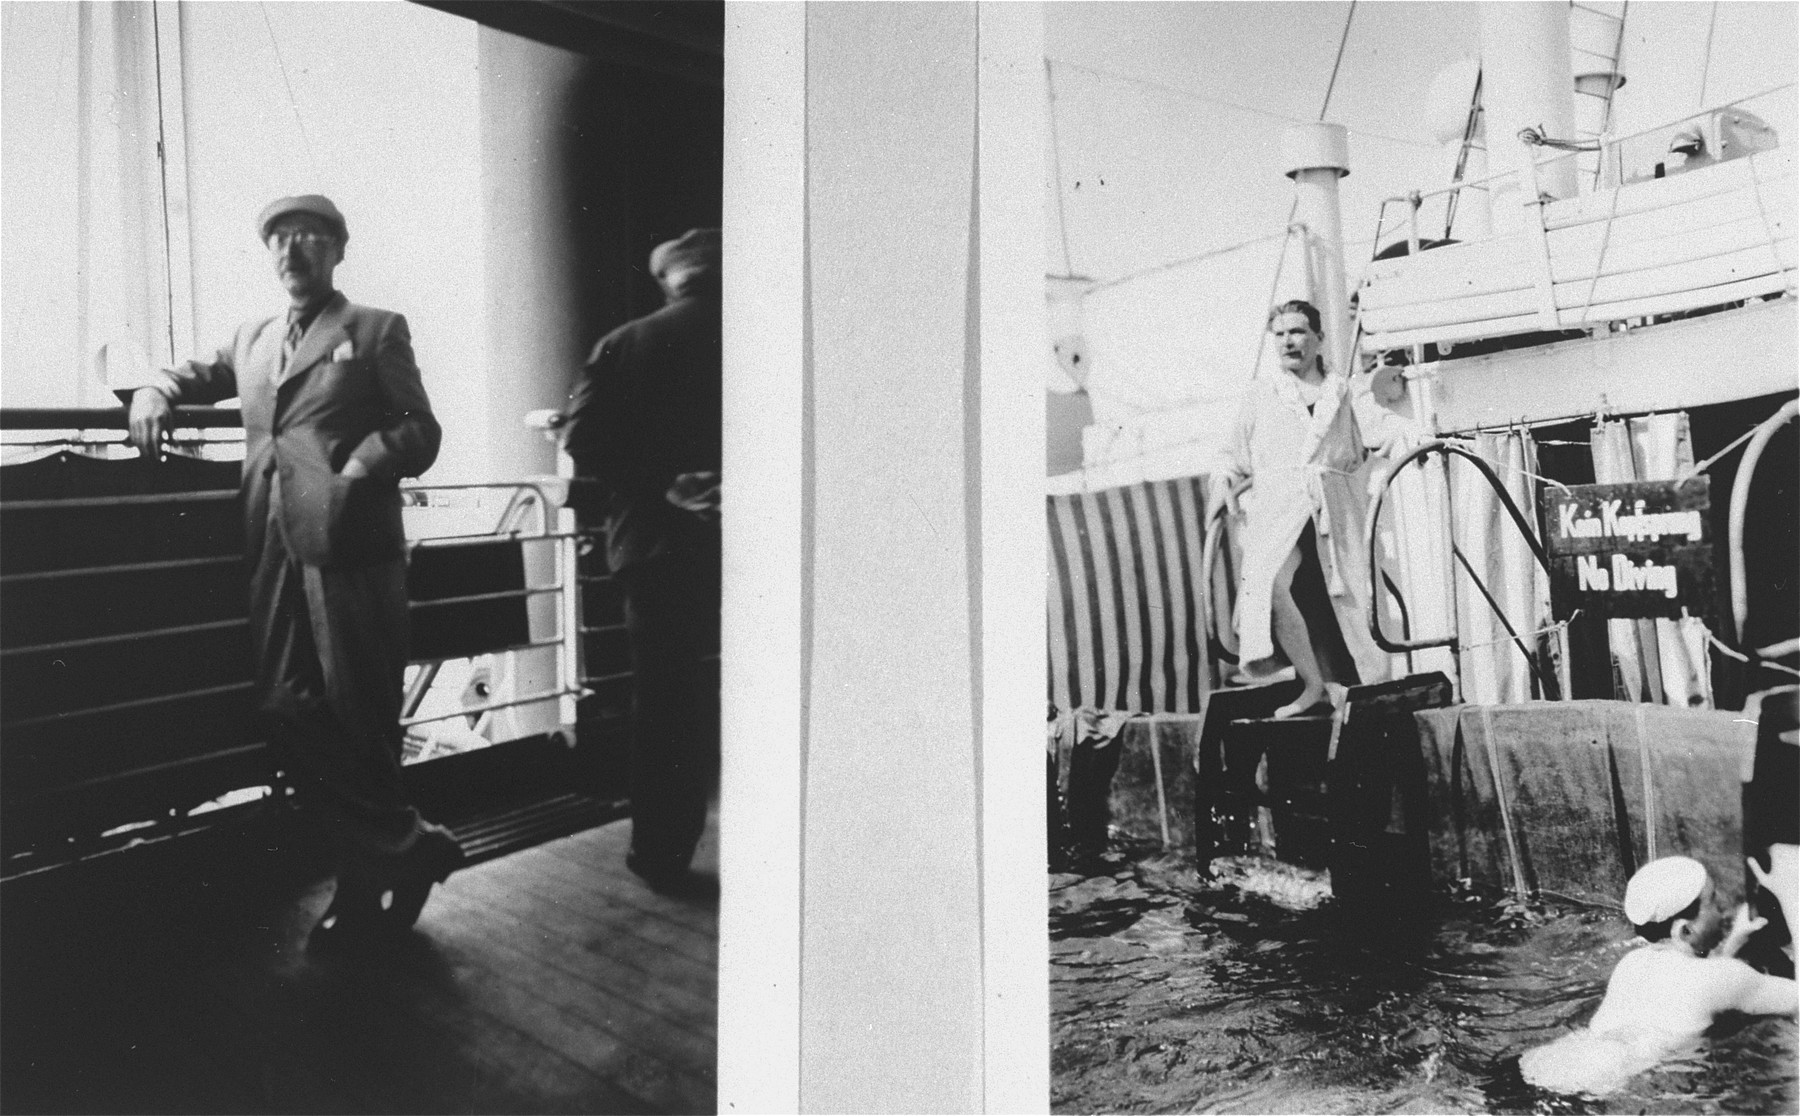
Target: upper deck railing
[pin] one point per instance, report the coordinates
(1715, 229)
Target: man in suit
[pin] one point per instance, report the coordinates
(643, 422)
(334, 415)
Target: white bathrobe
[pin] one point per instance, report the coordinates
(1305, 466)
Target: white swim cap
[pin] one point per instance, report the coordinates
(1663, 888)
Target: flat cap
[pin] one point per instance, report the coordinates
(694, 250)
(316, 204)
(1663, 888)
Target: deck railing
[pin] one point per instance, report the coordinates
(1372, 547)
(1740, 503)
(124, 644)
(1716, 231)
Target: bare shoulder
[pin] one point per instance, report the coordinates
(1663, 990)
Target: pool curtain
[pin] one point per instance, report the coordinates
(1415, 561)
(1495, 667)
(98, 204)
(1125, 629)
(1658, 661)
(1439, 594)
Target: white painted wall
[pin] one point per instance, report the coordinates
(534, 337)
(40, 360)
(374, 105)
(885, 696)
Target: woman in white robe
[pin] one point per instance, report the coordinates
(1300, 437)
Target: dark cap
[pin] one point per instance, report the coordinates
(316, 204)
(695, 250)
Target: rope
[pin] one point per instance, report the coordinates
(1612, 88)
(293, 102)
(1733, 653)
(1706, 55)
(162, 170)
(1709, 462)
(1505, 622)
(1162, 798)
(1506, 822)
(1262, 336)
(1183, 262)
(1294, 206)
(1470, 125)
(1538, 139)
(1188, 94)
(1470, 445)
(1612, 211)
(1643, 740)
(1062, 221)
(1559, 626)
(1762, 210)
(1343, 41)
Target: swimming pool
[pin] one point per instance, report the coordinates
(1171, 996)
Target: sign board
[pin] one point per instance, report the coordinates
(1641, 549)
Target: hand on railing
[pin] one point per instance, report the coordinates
(149, 420)
(1223, 493)
(548, 420)
(697, 493)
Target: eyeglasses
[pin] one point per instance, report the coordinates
(305, 238)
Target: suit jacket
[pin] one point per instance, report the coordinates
(647, 408)
(352, 390)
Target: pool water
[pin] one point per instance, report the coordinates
(1257, 995)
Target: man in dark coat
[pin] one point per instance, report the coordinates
(644, 422)
(334, 415)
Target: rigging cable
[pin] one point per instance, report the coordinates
(162, 170)
(1189, 94)
(1186, 260)
(1612, 90)
(1706, 58)
(1343, 41)
(293, 103)
(1262, 338)
(1062, 220)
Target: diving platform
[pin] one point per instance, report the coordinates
(1404, 788)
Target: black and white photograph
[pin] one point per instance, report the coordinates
(360, 512)
(636, 556)
(1421, 524)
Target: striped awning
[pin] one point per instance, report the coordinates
(1124, 597)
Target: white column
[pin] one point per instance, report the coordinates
(1526, 82)
(1010, 748)
(1317, 155)
(884, 642)
(891, 957)
(764, 606)
(532, 355)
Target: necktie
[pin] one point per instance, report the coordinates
(295, 331)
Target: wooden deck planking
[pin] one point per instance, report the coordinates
(603, 901)
(557, 939)
(545, 981)
(572, 978)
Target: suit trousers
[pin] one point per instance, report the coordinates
(331, 647)
(672, 618)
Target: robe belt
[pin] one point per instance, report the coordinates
(1315, 492)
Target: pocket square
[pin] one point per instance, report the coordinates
(345, 351)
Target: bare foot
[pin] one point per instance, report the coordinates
(1310, 702)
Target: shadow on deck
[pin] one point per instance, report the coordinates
(176, 979)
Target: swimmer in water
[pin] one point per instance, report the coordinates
(1666, 993)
